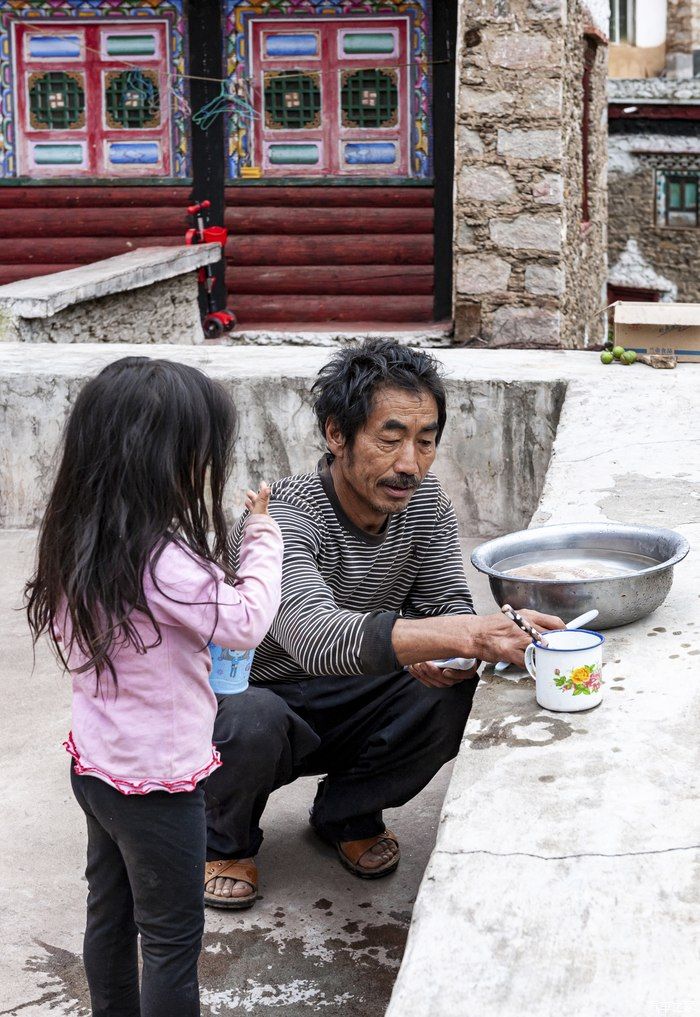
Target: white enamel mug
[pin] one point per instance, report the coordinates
(568, 672)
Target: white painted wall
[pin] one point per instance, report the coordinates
(599, 11)
(651, 22)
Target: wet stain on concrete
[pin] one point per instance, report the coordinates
(547, 778)
(323, 904)
(638, 499)
(496, 732)
(244, 971)
(60, 980)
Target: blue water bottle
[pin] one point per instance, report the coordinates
(229, 669)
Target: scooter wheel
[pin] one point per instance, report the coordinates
(212, 328)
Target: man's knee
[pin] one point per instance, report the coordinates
(251, 719)
(448, 715)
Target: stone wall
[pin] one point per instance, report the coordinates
(492, 460)
(584, 244)
(522, 275)
(642, 253)
(679, 38)
(165, 311)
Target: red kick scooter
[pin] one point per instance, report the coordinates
(215, 322)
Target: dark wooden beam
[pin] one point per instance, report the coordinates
(206, 42)
(632, 110)
(444, 84)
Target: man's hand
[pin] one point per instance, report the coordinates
(439, 677)
(499, 638)
(488, 637)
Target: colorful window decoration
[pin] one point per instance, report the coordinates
(368, 112)
(132, 99)
(369, 98)
(93, 88)
(56, 100)
(292, 100)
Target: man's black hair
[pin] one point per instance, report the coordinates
(346, 386)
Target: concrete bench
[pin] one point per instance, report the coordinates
(148, 295)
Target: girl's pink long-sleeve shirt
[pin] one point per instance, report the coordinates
(155, 732)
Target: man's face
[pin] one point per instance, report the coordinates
(390, 456)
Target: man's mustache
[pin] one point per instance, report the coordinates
(402, 481)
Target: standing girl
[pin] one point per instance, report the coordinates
(128, 589)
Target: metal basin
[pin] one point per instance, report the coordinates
(623, 571)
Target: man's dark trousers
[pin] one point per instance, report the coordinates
(379, 740)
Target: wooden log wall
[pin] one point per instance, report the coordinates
(295, 255)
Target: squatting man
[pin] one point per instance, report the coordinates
(373, 590)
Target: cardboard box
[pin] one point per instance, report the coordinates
(671, 329)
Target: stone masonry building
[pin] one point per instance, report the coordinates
(654, 167)
(530, 222)
(379, 164)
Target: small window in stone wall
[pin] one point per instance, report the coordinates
(622, 21)
(677, 199)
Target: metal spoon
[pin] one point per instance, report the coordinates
(576, 623)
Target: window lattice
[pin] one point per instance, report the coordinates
(292, 100)
(132, 99)
(369, 98)
(56, 101)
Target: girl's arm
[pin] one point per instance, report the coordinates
(188, 593)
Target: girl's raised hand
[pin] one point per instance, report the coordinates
(257, 504)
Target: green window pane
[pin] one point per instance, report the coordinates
(131, 45)
(369, 98)
(368, 42)
(58, 155)
(293, 155)
(292, 100)
(132, 99)
(691, 194)
(674, 194)
(56, 101)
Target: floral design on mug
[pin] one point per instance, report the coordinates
(583, 680)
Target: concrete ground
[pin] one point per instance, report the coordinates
(319, 940)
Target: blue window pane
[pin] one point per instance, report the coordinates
(130, 152)
(291, 45)
(60, 47)
(370, 153)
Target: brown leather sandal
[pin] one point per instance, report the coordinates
(351, 853)
(231, 868)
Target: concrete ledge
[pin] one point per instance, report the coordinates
(564, 878)
(46, 295)
(503, 408)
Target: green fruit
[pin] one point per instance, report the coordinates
(618, 351)
(628, 357)
(606, 357)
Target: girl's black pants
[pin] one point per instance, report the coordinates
(145, 874)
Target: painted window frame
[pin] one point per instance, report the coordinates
(331, 137)
(663, 180)
(96, 137)
(623, 29)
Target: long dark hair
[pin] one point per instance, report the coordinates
(143, 443)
